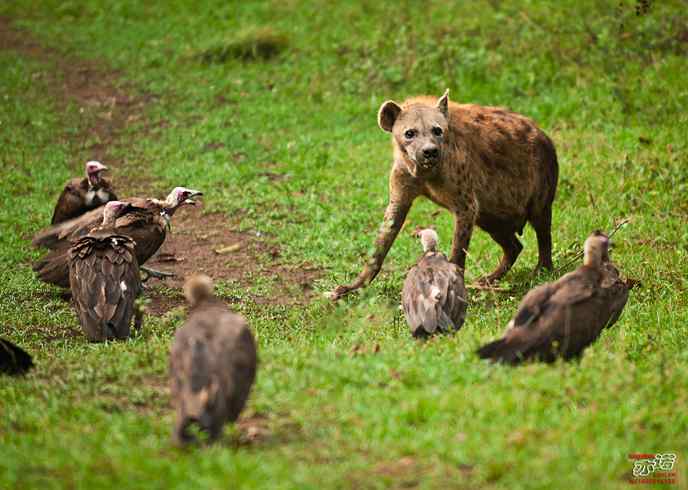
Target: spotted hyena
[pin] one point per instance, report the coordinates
(487, 165)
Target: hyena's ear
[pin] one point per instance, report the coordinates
(389, 111)
(443, 104)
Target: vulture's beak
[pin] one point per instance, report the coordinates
(189, 200)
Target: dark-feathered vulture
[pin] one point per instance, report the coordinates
(434, 295)
(146, 221)
(104, 279)
(212, 364)
(83, 194)
(562, 318)
(13, 359)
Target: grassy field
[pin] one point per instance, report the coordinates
(269, 107)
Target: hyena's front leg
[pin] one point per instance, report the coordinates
(395, 215)
(463, 228)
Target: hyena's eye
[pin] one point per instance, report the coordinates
(410, 133)
(437, 131)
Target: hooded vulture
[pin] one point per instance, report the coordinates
(434, 296)
(212, 364)
(83, 194)
(145, 221)
(104, 278)
(13, 359)
(562, 318)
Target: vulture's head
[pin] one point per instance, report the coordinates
(93, 172)
(112, 211)
(596, 249)
(197, 288)
(179, 197)
(429, 240)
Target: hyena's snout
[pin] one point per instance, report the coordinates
(430, 155)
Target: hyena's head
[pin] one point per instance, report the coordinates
(420, 132)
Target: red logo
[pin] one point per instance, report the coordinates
(653, 468)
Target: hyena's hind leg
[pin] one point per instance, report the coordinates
(542, 223)
(504, 234)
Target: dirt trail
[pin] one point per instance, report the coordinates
(199, 242)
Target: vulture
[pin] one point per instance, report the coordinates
(562, 318)
(83, 194)
(104, 279)
(212, 364)
(434, 295)
(13, 359)
(146, 221)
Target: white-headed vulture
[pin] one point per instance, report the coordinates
(434, 295)
(146, 221)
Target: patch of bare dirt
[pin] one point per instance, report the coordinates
(205, 243)
(198, 242)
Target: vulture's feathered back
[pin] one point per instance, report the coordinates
(13, 359)
(83, 194)
(212, 364)
(562, 318)
(434, 295)
(104, 280)
(145, 221)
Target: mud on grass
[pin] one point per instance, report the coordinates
(201, 243)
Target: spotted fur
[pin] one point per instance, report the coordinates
(492, 168)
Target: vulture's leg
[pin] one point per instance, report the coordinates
(395, 215)
(155, 274)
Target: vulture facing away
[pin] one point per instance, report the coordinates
(212, 364)
(145, 221)
(83, 194)
(104, 278)
(562, 318)
(434, 295)
(13, 359)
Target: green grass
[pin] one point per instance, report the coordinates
(611, 89)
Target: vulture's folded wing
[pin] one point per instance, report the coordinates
(69, 204)
(420, 301)
(70, 230)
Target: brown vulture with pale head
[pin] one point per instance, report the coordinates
(104, 279)
(212, 364)
(562, 318)
(434, 295)
(146, 221)
(13, 359)
(83, 194)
